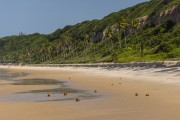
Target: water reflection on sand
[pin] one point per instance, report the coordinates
(55, 88)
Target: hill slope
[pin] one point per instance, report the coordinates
(147, 31)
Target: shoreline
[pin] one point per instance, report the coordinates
(155, 64)
(153, 72)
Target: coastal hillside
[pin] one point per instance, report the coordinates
(148, 31)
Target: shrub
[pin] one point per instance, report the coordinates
(164, 47)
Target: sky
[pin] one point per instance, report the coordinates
(45, 16)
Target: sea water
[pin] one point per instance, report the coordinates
(56, 89)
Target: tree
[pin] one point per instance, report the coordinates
(93, 51)
(136, 24)
(86, 40)
(109, 35)
(122, 24)
(67, 42)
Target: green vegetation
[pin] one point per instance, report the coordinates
(118, 37)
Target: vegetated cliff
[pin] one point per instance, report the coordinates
(160, 17)
(156, 17)
(146, 31)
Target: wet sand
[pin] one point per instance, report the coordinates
(118, 103)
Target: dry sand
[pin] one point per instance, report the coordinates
(118, 86)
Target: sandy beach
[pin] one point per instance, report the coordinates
(117, 87)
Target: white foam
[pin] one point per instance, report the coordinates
(164, 75)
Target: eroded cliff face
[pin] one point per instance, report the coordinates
(96, 36)
(172, 14)
(143, 20)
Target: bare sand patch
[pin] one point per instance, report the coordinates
(120, 102)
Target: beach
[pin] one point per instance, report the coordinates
(125, 94)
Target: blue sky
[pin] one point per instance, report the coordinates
(45, 16)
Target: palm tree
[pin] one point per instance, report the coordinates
(67, 42)
(58, 46)
(86, 38)
(29, 54)
(49, 48)
(42, 52)
(122, 24)
(92, 50)
(109, 35)
(125, 25)
(74, 49)
(136, 24)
